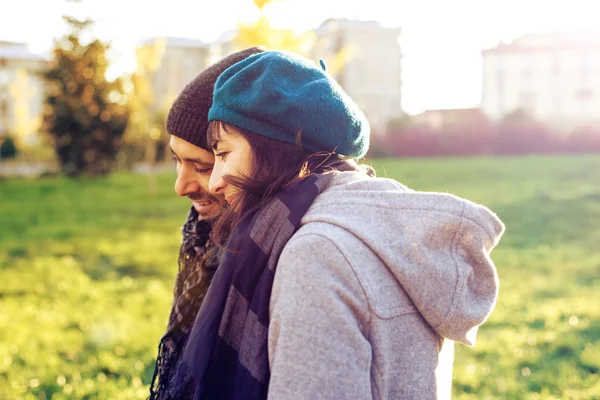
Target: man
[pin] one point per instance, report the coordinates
(198, 257)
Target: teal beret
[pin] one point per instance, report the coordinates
(279, 95)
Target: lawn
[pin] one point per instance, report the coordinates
(88, 267)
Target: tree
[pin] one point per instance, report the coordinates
(520, 133)
(584, 139)
(145, 130)
(8, 149)
(146, 138)
(261, 32)
(85, 113)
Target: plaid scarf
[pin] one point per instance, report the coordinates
(226, 355)
(193, 279)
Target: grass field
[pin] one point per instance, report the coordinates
(88, 266)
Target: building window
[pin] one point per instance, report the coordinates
(3, 108)
(584, 94)
(4, 77)
(500, 80)
(583, 68)
(527, 101)
(584, 71)
(3, 116)
(555, 62)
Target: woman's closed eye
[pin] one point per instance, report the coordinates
(222, 155)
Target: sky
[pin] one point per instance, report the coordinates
(441, 40)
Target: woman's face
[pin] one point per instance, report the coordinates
(233, 157)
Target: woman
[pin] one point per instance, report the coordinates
(334, 284)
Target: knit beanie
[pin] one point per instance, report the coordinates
(188, 116)
(280, 95)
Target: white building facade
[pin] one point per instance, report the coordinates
(182, 60)
(371, 74)
(21, 91)
(555, 78)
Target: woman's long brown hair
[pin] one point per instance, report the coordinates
(275, 165)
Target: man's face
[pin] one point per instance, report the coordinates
(194, 166)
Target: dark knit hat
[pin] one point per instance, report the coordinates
(188, 117)
(279, 95)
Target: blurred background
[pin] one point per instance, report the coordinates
(495, 101)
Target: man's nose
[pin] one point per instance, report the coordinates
(185, 184)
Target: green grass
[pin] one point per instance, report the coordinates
(88, 267)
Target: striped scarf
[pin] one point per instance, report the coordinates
(194, 276)
(226, 355)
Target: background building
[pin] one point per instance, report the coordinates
(182, 60)
(371, 74)
(555, 78)
(21, 90)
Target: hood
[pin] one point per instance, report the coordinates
(436, 245)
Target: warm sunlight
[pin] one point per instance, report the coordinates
(344, 170)
(441, 40)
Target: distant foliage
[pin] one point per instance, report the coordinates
(261, 32)
(8, 149)
(84, 112)
(145, 137)
(516, 134)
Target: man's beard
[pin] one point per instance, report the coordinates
(201, 197)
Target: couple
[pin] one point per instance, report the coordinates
(302, 276)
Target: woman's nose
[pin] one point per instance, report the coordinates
(216, 184)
